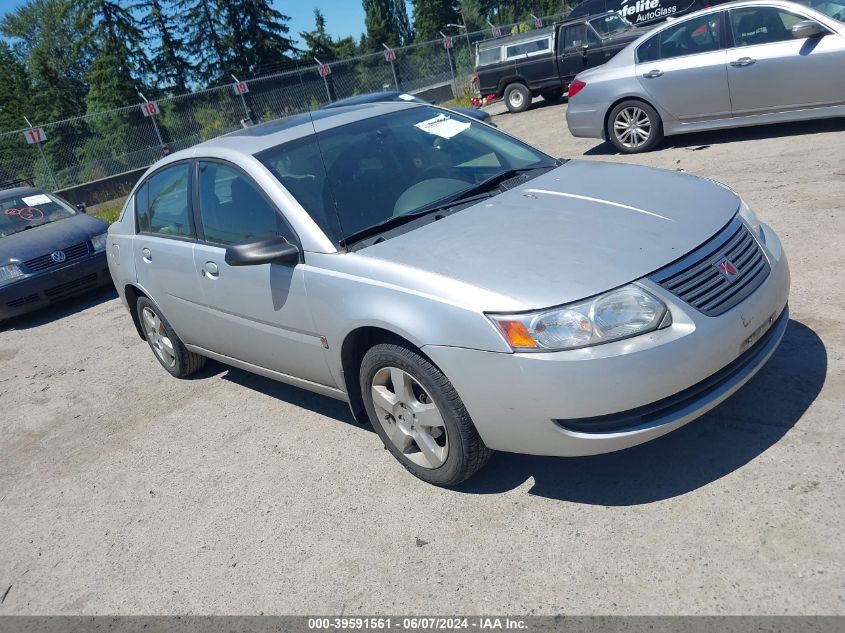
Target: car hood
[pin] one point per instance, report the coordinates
(573, 232)
(47, 238)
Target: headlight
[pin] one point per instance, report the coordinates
(752, 220)
(99, 242)
(9, 273)
(618, 314)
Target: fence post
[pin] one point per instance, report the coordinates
(44, 158)
(152, 118)
(447, 44)
(391, 56)
(243, 102)
(325, 81)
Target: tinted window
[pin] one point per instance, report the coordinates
(575, 36)
(164, 203)
(528, 48)
(762, 25)
(697, 35)
(232, 209)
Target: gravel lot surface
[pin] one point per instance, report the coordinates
(123, 490)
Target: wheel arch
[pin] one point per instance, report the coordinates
(615, 103)
(355, 345)
(132, 294)
(509, 80)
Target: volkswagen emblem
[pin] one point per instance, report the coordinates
(727, 268)
(58, 256)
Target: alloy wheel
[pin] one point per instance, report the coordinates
(632, 127)
(158, 338)
(409, 417)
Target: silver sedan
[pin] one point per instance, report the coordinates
(738, 64)
(463, 291)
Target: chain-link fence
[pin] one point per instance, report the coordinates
(96, 146)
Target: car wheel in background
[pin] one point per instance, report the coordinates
(634, 126)
(419, 416)
(517, 98)
(166, 346)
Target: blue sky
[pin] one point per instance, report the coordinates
(343, 17)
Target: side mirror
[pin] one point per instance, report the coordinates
(273, 250)
(807, 28)
(81, 207)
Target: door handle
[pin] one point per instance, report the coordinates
(146, 255)
(210, 270)
(653, 74)
(742, 62)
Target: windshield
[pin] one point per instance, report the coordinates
(394, 165)
(835, 9)
(609, 24)
(19, 213)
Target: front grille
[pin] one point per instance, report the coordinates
(696, 280)
(62, 291)
(17, 303)
(43, 262)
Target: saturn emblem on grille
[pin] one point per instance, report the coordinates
(727, 269)
(58, 256)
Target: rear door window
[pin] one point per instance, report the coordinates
(164, 203)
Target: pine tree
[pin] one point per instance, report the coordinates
(432, 16)
(202, 33)
(257, 35)
(47, 35)
(16, 88)
(167, 64)
(119, 61)
(318, 43)
(387, 23)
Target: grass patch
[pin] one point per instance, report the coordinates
(107, 211)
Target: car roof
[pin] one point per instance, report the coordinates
(258, 138)
(17, 192)
(370, 97)
(495, 42)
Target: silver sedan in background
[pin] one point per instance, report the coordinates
(463, 291)
(737, 64)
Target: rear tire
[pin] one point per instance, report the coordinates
(517, 97)
(168, 349)
(634, 126)
(419, 416)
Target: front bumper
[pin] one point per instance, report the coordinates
(42, 289)
(613, 396)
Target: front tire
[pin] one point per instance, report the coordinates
(517, 98)
(634, 126)
(419, 416)
(168, 349)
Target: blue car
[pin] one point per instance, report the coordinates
(395, 95)
(49, 251)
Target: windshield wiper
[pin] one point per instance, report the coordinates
(476, 192)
